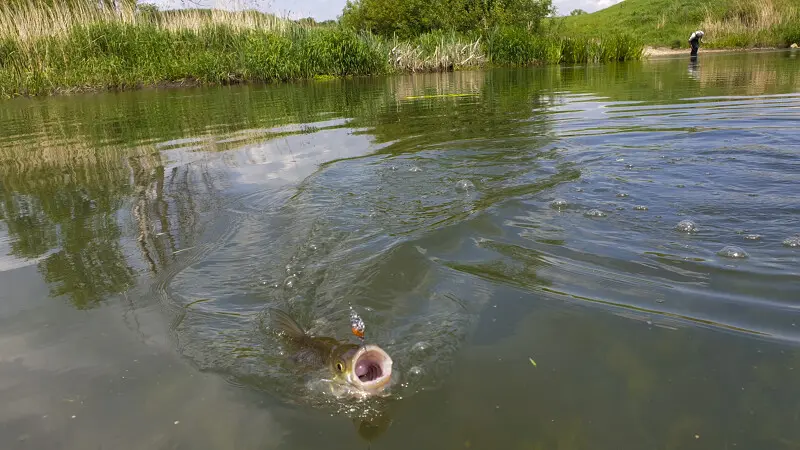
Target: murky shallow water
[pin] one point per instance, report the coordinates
(534, 219)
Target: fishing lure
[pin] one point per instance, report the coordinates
(356, 324)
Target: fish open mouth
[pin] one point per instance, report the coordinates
(368, 369)
(373, 366)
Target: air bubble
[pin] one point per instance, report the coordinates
(686, 226)
(622, 194)
(559, 203)
(416, 371)
(640, 208)
(420, 347)
(753, 237)
(464, 185)
(731, 251)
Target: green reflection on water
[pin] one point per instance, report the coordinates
(68, 165)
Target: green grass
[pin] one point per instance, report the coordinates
(668, 23)
(63, 49)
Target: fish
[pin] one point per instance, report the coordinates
(366, 369)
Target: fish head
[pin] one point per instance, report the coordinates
(366, 368)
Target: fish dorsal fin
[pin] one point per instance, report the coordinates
(285, 323)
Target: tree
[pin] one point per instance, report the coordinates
(306, 21)
(577, 12)
(147, 8)
(408, 18)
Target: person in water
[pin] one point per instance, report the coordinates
(694, 41)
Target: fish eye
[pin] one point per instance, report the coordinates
(339, 366)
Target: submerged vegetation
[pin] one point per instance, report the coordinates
(668, 23)
(48, 46)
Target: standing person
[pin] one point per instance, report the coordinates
(694, 41)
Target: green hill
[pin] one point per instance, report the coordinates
(668, 23)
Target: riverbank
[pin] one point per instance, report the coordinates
(59, 49)
(656, 52)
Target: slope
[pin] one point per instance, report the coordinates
(668, 23)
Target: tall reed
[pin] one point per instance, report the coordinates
(27, 21)
(125, 53)
(515, 46)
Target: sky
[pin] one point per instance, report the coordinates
(329, 9)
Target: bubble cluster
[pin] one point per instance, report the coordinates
(595, 213)
(732, 251)
(415, 169)
(559, 203)
(686, 226)
(622, 194)
(793, 241)
(753, 237)
(640, 208)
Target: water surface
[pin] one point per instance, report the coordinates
(509, 236)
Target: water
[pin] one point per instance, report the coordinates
(516, 250)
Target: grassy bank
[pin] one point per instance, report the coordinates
(668, 23)
(45, 49)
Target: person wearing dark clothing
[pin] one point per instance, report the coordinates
(694, 41)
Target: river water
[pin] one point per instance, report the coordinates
(513, 238)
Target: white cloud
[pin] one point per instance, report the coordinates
(565, 6)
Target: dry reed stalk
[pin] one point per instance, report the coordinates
(749, 16)
(28, 21)
(408, 57)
